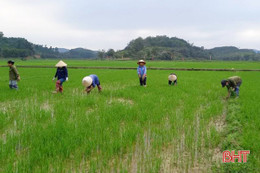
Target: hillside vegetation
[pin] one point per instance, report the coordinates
(21, 48)
(166, 48)
(150, 48)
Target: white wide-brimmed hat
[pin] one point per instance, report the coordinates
(172, 77)
(61, 64)
(87, 81)
(141, 61)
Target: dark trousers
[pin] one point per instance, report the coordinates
(142, 82)
(173, 82)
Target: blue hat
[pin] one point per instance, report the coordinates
(223, 83)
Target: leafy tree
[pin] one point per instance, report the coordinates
(136, 45)
(110, 53)
(101, 54)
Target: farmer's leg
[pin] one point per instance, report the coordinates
(144, 82)
(237, 88)
(99, 87)
(58, 85)
(175, 82)
(10, 84)
(141, 81)
(13, 84)
(61, 82)
(61, 89)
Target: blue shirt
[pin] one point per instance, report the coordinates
(61, 73)
(141, 70)
(95, 80)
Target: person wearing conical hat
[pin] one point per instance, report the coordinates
(233, 84)
(90, 82)
(172, 79)
(61, 75)
(142, 71)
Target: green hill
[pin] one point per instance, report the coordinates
(21, 48)
(15, 47)
(233, 53)
(153, 48)
(80, 53)
(164, 48)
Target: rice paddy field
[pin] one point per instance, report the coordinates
(128, 128)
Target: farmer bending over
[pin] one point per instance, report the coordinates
(172, 79)
(232, 84)
(90, 82)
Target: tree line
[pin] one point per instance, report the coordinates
(150, 48)
(21, 48)
(166, 48)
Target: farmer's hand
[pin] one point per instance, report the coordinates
(139, 76)
(88, 90)
(53, 78)
(143, 77)
(67, 79)
(18, 78)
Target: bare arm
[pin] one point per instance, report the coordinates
(229, 92)
(89, 89)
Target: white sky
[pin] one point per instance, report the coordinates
(104, 24)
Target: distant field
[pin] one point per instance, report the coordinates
(128, 128)
(172, 64)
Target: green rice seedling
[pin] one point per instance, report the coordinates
(127, 128)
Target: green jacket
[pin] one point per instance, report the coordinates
(233, 82)
(13, 73)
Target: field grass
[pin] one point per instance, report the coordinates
(172, 64)
(128, 128)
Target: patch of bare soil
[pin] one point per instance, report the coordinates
(89, 111)
(121, 100)
(6, 106)
(176, 157)
(220, 124)
(46, 106)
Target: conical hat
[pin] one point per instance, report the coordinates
(141, 61)
(61, 64)
(172, 78)
(87, 81)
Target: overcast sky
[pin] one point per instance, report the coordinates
(104, 24)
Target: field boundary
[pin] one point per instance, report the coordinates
(134, 68)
